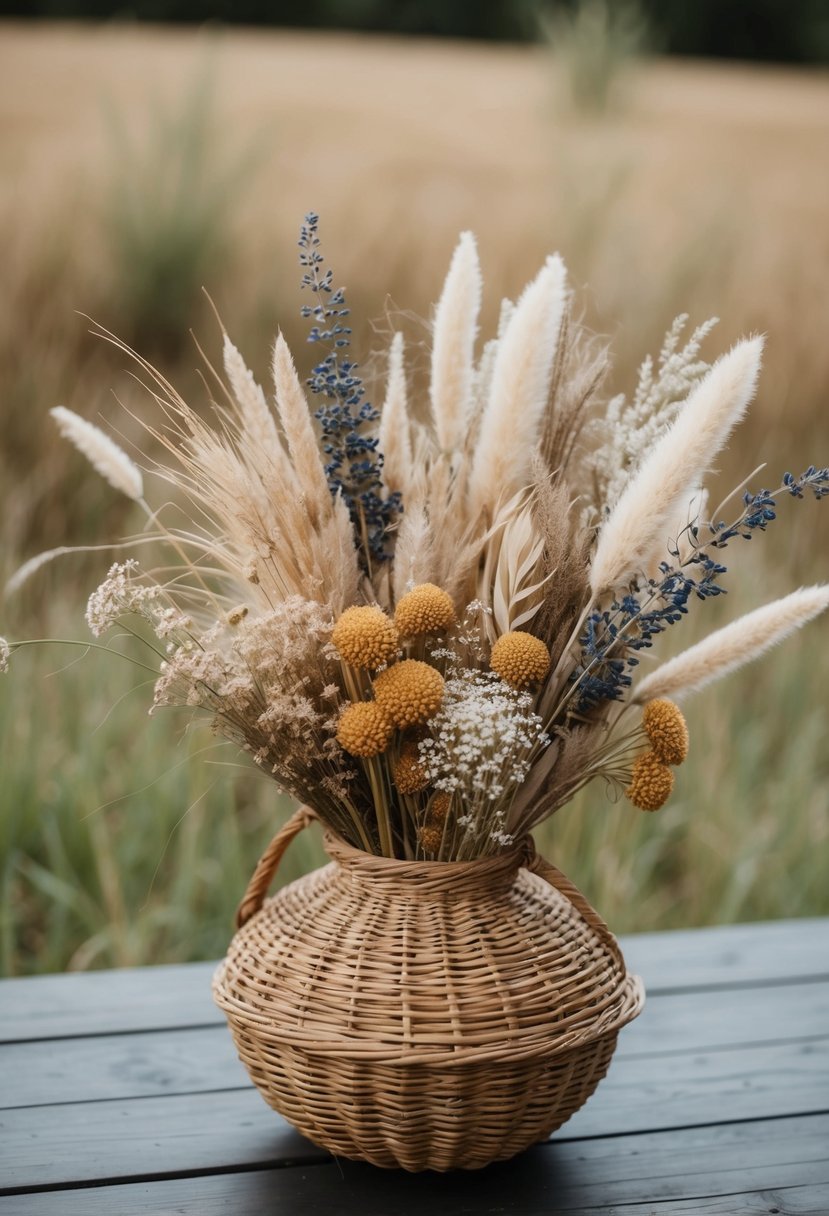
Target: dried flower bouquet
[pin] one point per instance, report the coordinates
(424, 621)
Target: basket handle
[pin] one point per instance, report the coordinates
(268, 864)
(551, 874)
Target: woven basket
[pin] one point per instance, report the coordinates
(429, 1015)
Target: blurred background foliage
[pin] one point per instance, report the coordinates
(784, 31)
(141, 167)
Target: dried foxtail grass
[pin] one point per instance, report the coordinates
(733, 646)
(105, 456)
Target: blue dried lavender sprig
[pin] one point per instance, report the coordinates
(760, 509)
(608, 644)
(354, 462)
(601, 674)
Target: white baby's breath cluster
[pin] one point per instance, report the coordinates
(630, 428)
(5, 654)
(481, 739)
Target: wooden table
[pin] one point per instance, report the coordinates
(122, 1095)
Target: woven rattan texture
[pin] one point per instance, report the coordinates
(425, 1015)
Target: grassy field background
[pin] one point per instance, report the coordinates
(138, 165)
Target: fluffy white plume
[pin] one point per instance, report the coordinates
(106, 457)
(298, 426)
(657, 493)
(453, 344)
(736, 644)
(519, 389)
(394, 436)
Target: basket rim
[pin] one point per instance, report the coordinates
(528, 1043)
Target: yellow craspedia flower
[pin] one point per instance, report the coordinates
(424, 609)
(364, 729)
(430, 837)
(666, 729)
(409, 774)
(365, 637)
(409, 692)
(439, 808)
(651, 783)
(520, 659)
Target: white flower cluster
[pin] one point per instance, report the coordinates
(481, 738)
(632, 428)
(5, 654)
(120, 594)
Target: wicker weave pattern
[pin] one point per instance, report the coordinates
(427, 1015)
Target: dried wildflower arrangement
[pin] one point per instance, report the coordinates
(425, 620)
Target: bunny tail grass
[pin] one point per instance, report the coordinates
(733, 646)
(113, 464)
(667, 477)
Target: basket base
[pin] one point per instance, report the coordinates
(441, 1118)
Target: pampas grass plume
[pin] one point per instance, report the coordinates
(658, 492)
(298, 426)
(736, 644)
(520, 385)
(113, 464)
(394, 436)
(256, 414)
(453, 343)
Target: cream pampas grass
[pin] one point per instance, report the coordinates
(255, 414)
(395, 428)
(733, 646)
(518, 391)
(113, 464)
(453, 344)
(658, 491)
(300, 434)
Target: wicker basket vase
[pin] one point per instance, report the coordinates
(426, 1015)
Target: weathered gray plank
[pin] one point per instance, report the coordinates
(701, 1021)
(669, 1036)
(639, 1093)
(233, 1128)
(107, 1002)
(708, 1171)
(153, 998)
(767, 952)
(60, 1145)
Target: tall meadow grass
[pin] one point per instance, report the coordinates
(129, 840)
